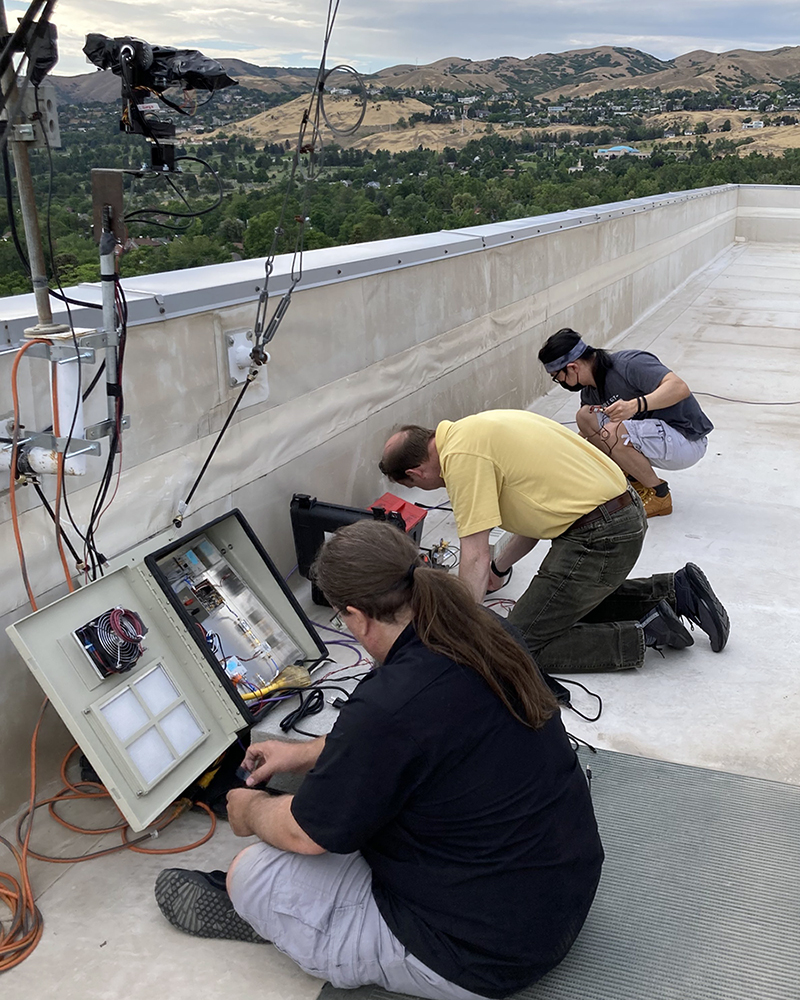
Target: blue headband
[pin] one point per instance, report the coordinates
(551, 367)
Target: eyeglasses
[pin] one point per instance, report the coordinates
(555, 377)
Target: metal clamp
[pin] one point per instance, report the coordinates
(70, 447)
(64, 350)
(105, 428)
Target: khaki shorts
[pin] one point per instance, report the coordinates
(319, 910)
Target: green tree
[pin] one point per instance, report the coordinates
(231, 230)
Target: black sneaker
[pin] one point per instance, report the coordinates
(662, 627)
(198, 903)
(695, 600)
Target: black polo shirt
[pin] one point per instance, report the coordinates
(479, 831)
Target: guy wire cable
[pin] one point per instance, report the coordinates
(263, 333)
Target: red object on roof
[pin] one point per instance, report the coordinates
(410, 513)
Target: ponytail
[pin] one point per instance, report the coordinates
(376, 568)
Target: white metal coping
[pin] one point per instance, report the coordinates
(171, 294)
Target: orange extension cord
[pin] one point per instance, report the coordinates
(12, 495)
(22, 936)
(71, 791)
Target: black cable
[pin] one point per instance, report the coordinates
(178, 520)
(352, 677)
(310, 704)
(74, 302)
(78, 361)
(262, 334)
(96, 378)
(57, 276)
(86, 393)
(59, 527)
(93, 557)
(307, 706)
(567, 680)
(132, 216)
(161, 225)
(176, 189)
(223, 657)
(115, 439)
(12, 222)
(172, 104)
(305, 732)
(750, 402)
(575, 740)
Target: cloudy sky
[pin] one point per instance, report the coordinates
(379, 33)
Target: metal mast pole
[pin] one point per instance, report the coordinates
(107, 276)
(27, 201)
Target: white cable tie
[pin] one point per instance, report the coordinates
(154, 834)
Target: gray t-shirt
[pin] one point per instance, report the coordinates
(637, 373)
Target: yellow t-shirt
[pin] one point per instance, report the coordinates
(528, 474)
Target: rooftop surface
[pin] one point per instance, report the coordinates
(732, 330)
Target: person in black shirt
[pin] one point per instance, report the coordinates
(634, 409)
(443, 842)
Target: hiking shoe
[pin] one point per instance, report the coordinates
(662, 627)
(695, 600)
(639, 487)
(655, 506)
(198, 903)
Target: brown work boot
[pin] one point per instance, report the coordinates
(655, 506)
(640, 488)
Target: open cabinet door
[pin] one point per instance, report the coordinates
(136, 666)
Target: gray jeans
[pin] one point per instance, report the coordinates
(579, 613)
(319, 910)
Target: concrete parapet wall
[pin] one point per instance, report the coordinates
(769, 213)
(415, 330)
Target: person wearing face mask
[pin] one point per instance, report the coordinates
(634, 409)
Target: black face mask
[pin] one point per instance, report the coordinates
(571, 388)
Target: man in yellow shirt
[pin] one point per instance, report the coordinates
(539, 480)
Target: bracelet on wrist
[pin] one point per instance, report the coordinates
(497, 572)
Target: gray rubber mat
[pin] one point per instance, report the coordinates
(700, 894)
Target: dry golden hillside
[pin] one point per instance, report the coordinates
(379, 130)
(772, 139)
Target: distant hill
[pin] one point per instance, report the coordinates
(98, 85)
(582, 72)
(579, 72)
(601, 68)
